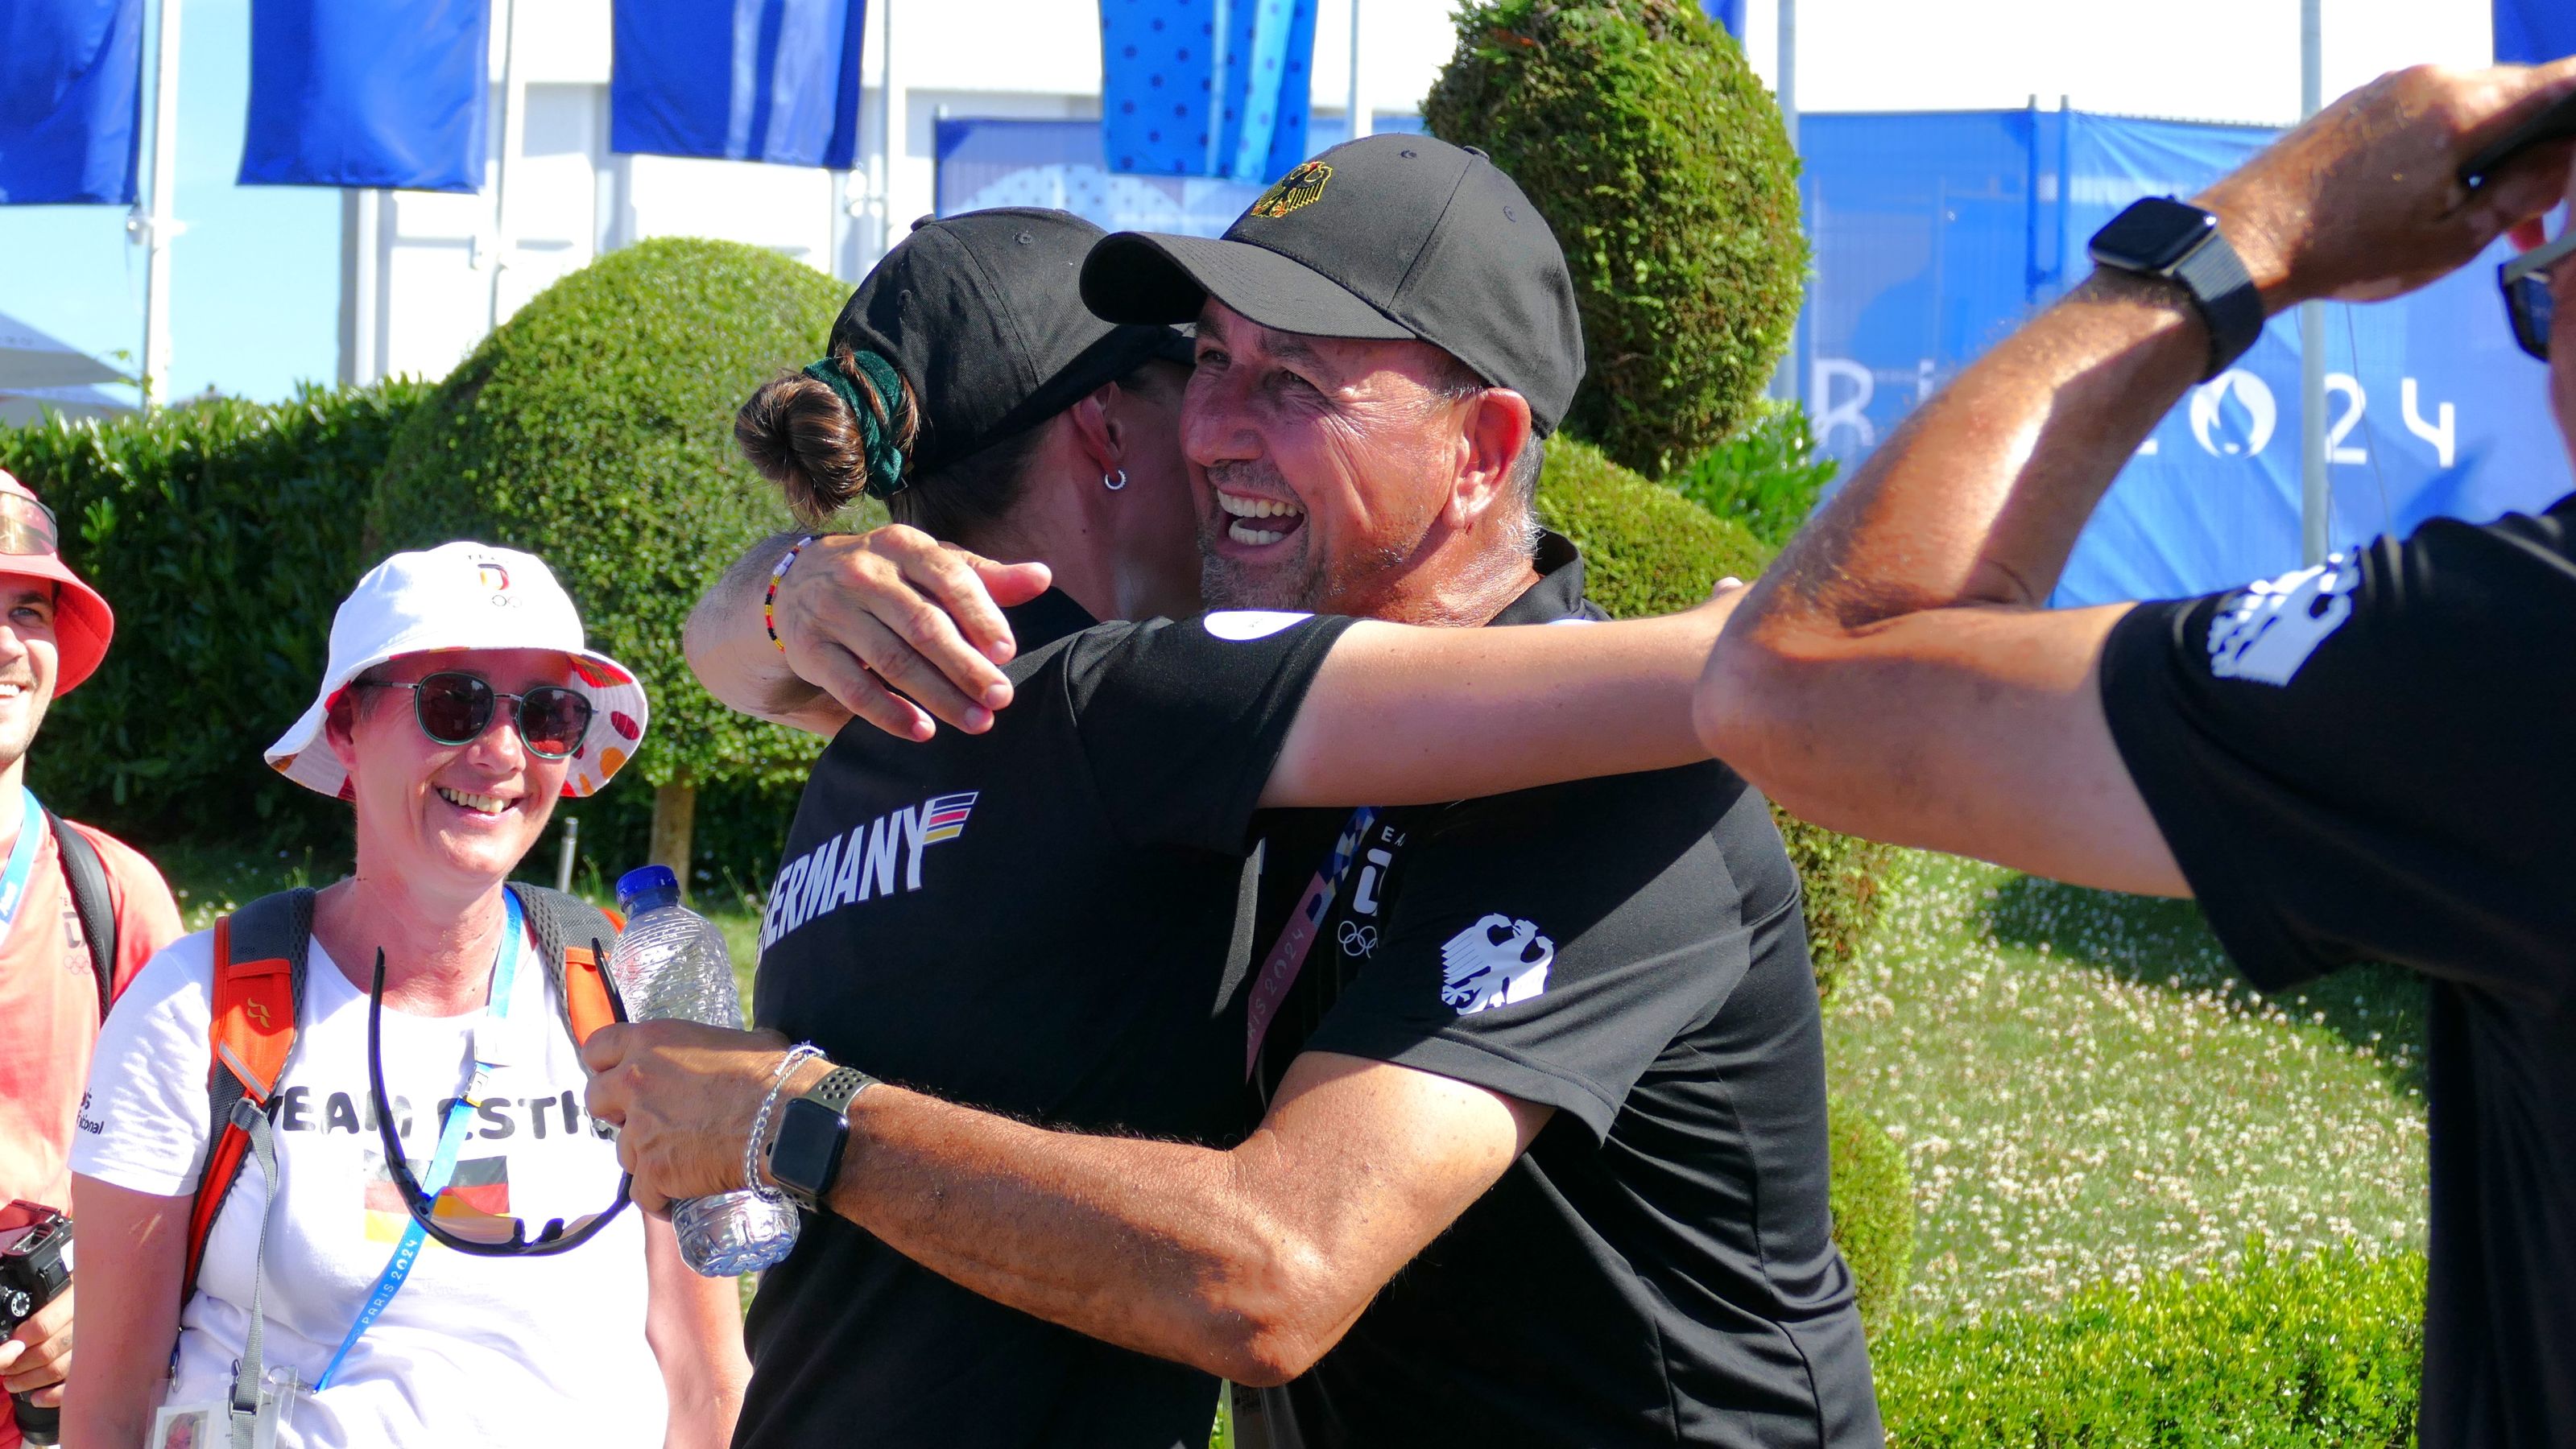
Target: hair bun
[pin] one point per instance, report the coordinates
(864, 380)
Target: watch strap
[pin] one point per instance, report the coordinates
(2224, 293)
(837, 1088)
(833, 1094)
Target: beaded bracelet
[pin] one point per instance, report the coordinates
(760, 1122)
(769, 602)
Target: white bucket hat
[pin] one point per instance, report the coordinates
(465, 596)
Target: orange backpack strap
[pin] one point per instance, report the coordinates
(573, 937)
(258, 989)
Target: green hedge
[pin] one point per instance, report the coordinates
(1647, 551)
(223, 534)
(595, 429)
(1766, 478)
(1655, 154)
(1873, 1204)
(2315, 1353)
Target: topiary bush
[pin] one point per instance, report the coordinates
(1873, 1203)
(1646, 551)
(594, 429)
(1637, 129)
(1766, 478)
(223, 533)
(2322, 1352)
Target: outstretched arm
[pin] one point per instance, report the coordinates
(1400, 715)
(1248, 1263)
(1894, 675)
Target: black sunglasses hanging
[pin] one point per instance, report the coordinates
(555, 1237)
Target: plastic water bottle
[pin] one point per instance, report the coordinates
(670, 964)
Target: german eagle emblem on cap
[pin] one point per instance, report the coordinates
(1300, 187)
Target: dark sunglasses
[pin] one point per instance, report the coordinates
(27, 527)
(480, 1235)
(454, 708)
(2528, 302)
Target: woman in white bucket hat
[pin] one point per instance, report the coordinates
(382, 1284)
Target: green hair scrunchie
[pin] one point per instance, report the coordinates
(885, 456)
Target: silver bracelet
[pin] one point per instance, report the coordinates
(760, 1123)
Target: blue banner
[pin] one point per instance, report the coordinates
(1936, 235)
(742, 80)
(70, 100)
(2531, 31)
(1214, 88)
(1728, 13)
(389, 93)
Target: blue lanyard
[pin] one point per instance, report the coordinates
(451, 1140)
(22, 860)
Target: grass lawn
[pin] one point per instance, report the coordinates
(2086, 1094)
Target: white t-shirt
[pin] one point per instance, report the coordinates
(483, 1351)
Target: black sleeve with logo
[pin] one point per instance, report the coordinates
(1182, 720)
(2372, 759)
(1551, 944)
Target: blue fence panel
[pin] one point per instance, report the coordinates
(1937, 234)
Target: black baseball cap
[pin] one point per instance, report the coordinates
(1388, 236)
(982, 315)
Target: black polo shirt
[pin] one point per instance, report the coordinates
(1659, 1266)
(1039, 921)
(2371, 760)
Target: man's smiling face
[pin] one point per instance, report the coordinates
(30, 663)
(1325, 461)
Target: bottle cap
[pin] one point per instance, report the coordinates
(644, 881)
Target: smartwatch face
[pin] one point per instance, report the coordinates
(2152, 235)
(809, 1137)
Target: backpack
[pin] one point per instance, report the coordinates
(259, 988)
(86, 875)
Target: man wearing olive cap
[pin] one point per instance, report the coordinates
(1541, 1150)
(68, 942)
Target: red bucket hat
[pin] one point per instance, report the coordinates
(31, 547)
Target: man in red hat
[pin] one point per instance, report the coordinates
(63, 890)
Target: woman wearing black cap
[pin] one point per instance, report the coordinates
(1040, 915)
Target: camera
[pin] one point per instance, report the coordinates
(35, 1269)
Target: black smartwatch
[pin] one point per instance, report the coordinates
(2180, 243)
(805, 1156)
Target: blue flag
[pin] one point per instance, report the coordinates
(391, 93)
(1205, 87)
(70, 100)
(1728, 13)
(2531, 31)
(738, 80)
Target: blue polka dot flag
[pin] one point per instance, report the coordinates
(1205, 87)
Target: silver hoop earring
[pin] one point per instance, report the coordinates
(1114, 481)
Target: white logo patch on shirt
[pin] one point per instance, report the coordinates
(1499, 961)
(1242, 626)
(2267, 632)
